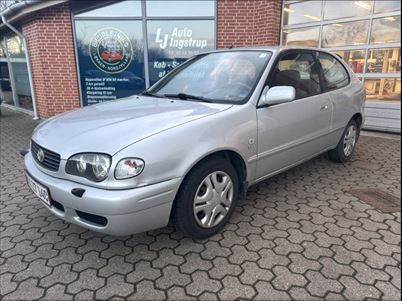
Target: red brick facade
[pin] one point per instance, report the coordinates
(248, 22)
(50, 42)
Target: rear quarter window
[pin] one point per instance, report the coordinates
(335, 74)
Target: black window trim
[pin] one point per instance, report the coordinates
(341, 62)
(279, 56)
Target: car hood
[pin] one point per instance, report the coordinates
(111, 126)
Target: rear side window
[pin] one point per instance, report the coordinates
(300, 71)
(335, 74)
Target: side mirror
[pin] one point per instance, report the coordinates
(277, 95)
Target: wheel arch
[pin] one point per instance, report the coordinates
(358, 117)
(233, 157)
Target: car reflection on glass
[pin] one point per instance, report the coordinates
(111, 56)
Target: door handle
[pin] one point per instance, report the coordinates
(324, 107)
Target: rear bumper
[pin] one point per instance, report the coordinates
(126, 211)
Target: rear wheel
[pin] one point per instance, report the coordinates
(206, 198)
(346, 146)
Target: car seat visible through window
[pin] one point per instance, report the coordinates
(290, 78)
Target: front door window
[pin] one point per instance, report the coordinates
(300, 71)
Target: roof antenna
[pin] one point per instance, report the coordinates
(231, 46)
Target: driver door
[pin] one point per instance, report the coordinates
(289, 133)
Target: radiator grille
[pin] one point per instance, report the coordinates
(51, 160)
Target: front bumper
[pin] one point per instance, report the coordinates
(126, 211)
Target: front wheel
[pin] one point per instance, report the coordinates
(346, 146)
(206, 198)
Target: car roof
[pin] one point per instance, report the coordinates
(274, 49)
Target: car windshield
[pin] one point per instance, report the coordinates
(228, 77)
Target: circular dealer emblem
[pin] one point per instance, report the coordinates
(111, 50)
(40, 155)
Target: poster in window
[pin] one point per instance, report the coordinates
(110, 56)
(172, 42)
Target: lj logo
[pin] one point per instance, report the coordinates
(162, 42)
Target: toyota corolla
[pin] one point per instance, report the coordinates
(187, 148)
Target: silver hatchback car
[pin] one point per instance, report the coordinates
(186, 149)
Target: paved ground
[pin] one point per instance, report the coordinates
(298, 235)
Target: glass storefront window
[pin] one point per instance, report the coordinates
(110, 45)
(181, 8)
(110, 57)
(385, 89)
(15, 88)
(15, 47)
(302, 12)
(383, 6)
(21, 85)
(354, 58)
(128, 8)
(346, 9)
(3, 52)
(368, 41)
(345, 34)
(301, 37)
(172, 42)
(6, 93)
(386, 30)
(386, 60)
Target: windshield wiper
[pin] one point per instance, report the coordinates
(146, 93)
(185, 96)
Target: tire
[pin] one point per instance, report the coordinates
(200, 193)
(342, 154)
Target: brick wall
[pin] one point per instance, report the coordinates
(51, 48)
(248, 22)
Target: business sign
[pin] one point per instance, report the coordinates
(172, 42)
(110, 55)
(110, 50)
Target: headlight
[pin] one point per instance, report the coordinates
(94, 167)
(128, 168)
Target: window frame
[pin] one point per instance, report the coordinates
(300, 28)
(278, 57)
(284, 3)
(345, 17)
(341, 62)
(342, 58)
(83, 7)
(375, 11)
(381, 74)
(369, 98)
(372, 27)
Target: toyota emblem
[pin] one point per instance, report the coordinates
(40, 155)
